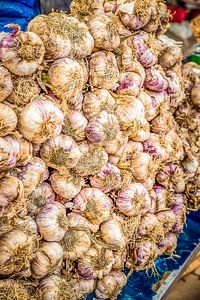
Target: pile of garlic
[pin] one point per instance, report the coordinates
(93, 172)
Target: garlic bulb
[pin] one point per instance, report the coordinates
(78, 222)
(129, 112)
(129, 83)
(40, 120)
(25, 52)
(16, 249)
(92, 159)
(75, 244)
(112, 233)
(25, 152)
(129, 150)
(107, 180)
(26, 224)
(97, 101)
(85, 10)
(66, 185)
(151, 105)
(161, 197)
(115, 146)
(154, 21)
(104, 71)
(52, 222)
(120, 259)
(6, 84)
(63, 35)
(97, 262)
(31, 175)
(104, 32)
(167, 218)
(133, 200)
(76, 102)
(48, 259)
(84, 287)
(144, 255)
(12, 200)
(8, 120)
(66, 77)
(156, 146)
(168, 245)
(170, 56)
(13, 289)
(24, 89)
(175, 89)
(103, 129)
(135, 14)
(155, 79)
(140, 166)
(60, 153)
(140, 132)
(163, 123)
(39, 197)
(110, 286)
(74, 125)
(93, 204)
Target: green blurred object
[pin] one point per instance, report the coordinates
(195, 57)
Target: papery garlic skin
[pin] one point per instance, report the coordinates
(97, 262)
(60, 153)
(8, 119)
(40, 120)
(104, 71)
(77, 221)
(93, 204)
(16, 248)
(170, 56)
(129, 150)
(25, 52)
(10, 149)
(39, 197)
(13, 288)
(75, 244)
(110, 286)
(12, 200)
(103, 129)
(156, 147)
(129, 84)
(66, 77)
(66, 185)
(25, 152)
(97, 101)
(120, 259)
(92, 160)
(47, 259)
(112, 233)
(52, 222)
(84, 287)
(140, 166)
(168, 245)
(151, 105)
(107, 180)
(50, 288)
(6, 84)
(155, 80)
(115, 146)
(74, 125)
(32, 174)
(133, 200)
(167, 218)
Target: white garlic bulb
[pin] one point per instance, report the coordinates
(6, 83)
(66, 185)
(40, 120)
(93, 204)
(8, 120)
(48, 259)
(52, 222)
(25, 152)
(25, 52)
(60, 153)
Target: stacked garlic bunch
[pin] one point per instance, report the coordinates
(92, 169)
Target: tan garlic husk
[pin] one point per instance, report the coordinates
(129, 150)
(75, 244)
(154, 21)
(16, 250)
(48, 259)
(86, 10)
(61, 153)
(12, 200)
(66, 185)
(93, 204)
(10, 149)
(39, 197)
(170, 56)
(6, 84)
(104, 72)
(66, 78)
(115, 146)
(24, 89)
(102, 129)
(96, 263)
(112, 233)
(104, 32)
(84, 287)
(25, 53)
(156, 146)
(163, 123)
(107, 180)
(25, 152)
(110, 286)
(13, 289)
(8, 120)
(76, 103)
(167, 218)
(52, 222)
(151, 105)
(97, 101)
(129, 83)
(32, 174)
(26, 224)
(74, 125)
(133, 200)
(195, 95)
(140, 166)
(63, 35)
(120, 259)
(92, 160)
(78, 222)
(174, 145)
(40, 120)
(140, 131)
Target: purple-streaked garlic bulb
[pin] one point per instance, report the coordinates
(8, 119)
(170, 56)
(168, 244)
(167, 219)
(78, 222)
(161, 196)
(151, 105)
(133, 200)
(155, 146)
(129, 83)
(93, 204)
(180, 213)
(155, 79)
